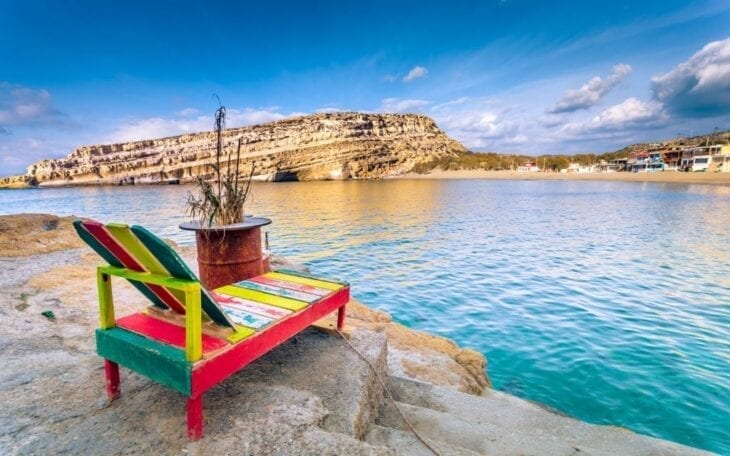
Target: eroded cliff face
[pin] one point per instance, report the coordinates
(316, 147)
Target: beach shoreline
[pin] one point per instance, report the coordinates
(669, 177)
(666, 177)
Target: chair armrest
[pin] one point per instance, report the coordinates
(147, 277)
(193, 310)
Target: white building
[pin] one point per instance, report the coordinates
(528, 167)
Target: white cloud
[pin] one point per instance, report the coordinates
(402, 105)
(551, 120)
(415, 73)
(249, 116)
(156, 127)
(187, 112)
(629, 111)
(18, 152)
(700, 86)
(487, 124)
(480, 123)
(456, 102)
(22, 106)
(516, 140)
(630, 114)
(159, 127)
(591, 92)
(12, 161)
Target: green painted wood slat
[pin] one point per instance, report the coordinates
(161, 363)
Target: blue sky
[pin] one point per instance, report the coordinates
(509, 76)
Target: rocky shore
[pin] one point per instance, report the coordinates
(313, 395)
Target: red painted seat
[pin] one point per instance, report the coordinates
(191, 338)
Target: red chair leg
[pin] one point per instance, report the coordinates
(341, 317)
(195, 418)
(111, 369)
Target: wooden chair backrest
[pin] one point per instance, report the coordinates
(137, 249)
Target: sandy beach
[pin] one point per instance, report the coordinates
(665, 177)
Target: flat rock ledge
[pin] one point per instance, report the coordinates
(312, 395)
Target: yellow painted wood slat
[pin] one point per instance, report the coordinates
(106, 301)
(242, 332)
(146, 277)
(304, 281)
(259, 296)
(124, 235)
(193, 326)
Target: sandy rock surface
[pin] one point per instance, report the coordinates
(422, 356)
(312, 395)
(30, 234)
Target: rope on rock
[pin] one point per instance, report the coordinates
(390, 396)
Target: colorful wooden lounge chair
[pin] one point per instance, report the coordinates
(191, 338)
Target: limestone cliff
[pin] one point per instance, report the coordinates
(315, 147)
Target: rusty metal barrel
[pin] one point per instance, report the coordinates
(229, 253)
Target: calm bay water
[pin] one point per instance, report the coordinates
(609, 301)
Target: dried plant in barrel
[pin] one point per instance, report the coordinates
(229, 243)
(221, 201)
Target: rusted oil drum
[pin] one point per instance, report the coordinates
(230, 253)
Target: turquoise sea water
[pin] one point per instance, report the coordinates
(609, 301)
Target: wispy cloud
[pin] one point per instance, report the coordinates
(328, 109)
(631, 113)
(646, 26)
(158, 127)
(480, 123)
(456, 102)
(23, 106)
(16, 153)
(187, 112)
(402, 105)
(551, 120)
(590, 93)
(699, 86)
(415, 73)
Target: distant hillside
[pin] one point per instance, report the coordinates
(721, 137)
(496, 161)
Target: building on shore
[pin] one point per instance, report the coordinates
(687, 160)
(649, 161)
(618, 164)
(577, 168)
(714, 157)
(672, 157)
(638, 161)
(655, 161)
(720, 158)
(701, 159)
(528, 167)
